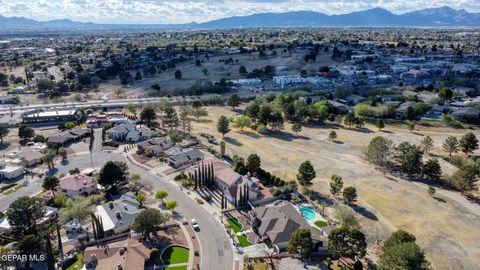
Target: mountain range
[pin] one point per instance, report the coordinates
(376, 17)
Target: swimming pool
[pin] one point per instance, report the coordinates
(308, 213)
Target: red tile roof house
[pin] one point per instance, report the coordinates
(74, 185)
(228, 180)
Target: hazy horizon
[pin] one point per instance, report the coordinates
(177, 11)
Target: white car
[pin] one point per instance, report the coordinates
(195, 224)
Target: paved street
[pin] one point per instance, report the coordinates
(214, 242)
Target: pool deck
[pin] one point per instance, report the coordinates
(318, 217)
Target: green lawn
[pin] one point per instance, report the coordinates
(175, 254)
(235, 224)
(243, 239)
(181, 267)
(321, 223)
(17, 187)
(78, 263)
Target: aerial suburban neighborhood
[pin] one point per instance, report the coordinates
(305, 144)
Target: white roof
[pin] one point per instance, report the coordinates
(52, 113)
(11, 168)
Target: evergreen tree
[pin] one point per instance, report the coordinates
(170, 119)
(468, 143)
(241, 197)
(223, 125)
(234, 101)
(336, 184)
(306, 174)
(197, 180)
(49, 254)
(213, 173)
(95, 236)
(380, 124)
(59, 239)
(451, 145)
(427, 144)
(247, 194)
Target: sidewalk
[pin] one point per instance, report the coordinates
(190, 247)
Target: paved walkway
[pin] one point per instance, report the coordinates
(191, 249)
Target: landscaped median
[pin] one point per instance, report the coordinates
(12, 188)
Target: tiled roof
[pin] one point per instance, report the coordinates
(129, 253)
(77, 182)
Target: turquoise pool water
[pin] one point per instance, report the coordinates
(308, 213)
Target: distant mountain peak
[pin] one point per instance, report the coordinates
(437, 17)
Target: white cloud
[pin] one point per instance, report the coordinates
(179, 11)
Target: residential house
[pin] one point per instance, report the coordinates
(229, 181)
(464, 91)
(275, 224)
(181, 157)
(402, 110)
(427, 97)
(10, 171)
(50, 213)
(118, 215)
(112, 118)
(69, 136)
(26, 156)
(408, 93)
(155, 145)
(310, 99)
(467, 113)
(121, 255)
(355, 99)
(339, 107)
(129, 132)
(436, 112)
(75, 185)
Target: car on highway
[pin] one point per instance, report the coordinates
(195, 224)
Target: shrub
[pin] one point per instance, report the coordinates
(180, 176)
(276, 192)
(199, 201)
(286, 189)
(110, 144)
(262, 129)
(154, 253)
(60, 200)
(196, 253)
(74, 171)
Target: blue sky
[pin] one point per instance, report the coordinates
(182, 11)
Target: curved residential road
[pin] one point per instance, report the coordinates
(216, 248)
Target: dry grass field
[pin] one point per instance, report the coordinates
(292, 63)
(447, 227)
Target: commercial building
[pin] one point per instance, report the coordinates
(51, 116)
